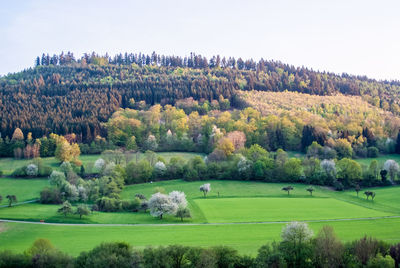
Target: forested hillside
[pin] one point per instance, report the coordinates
(67, 95)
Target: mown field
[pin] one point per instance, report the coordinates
(231, 219)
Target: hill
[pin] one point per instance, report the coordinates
(63, 94)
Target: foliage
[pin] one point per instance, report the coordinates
(287, 189)
(117, 254)
(161, 204)
(205, 188)
(32, 170)
(11, 199)
(65, 209)
(50, 196)
(82, 210)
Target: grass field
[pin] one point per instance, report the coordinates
(234, 202)
(8, 165)
(243, 237)
(24, 189)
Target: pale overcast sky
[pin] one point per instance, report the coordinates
(354, 36)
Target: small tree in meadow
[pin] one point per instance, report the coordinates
(161, 204)
(65, 209)
(82, 210)
(32, 170)
(287, 189)
(357, 189)
(205, 188)
(183, 212)
(310, 190)
(11, 199)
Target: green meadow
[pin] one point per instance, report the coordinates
(240, 214)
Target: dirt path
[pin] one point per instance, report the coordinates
(193, 224)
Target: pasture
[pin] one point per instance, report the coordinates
(240, 214)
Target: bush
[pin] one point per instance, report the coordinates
(45, 171)
(19, 172)
(32, 170)
(131, 205)
(373, 152)
(107, 204)
(50, 196)
(106, 255)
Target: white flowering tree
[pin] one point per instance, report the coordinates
(205, 188)
(329, 167)
(57, 178)
(296, 233)
(160, 204)
(32, 170)
(244, 167)
(179, 198)
(99, 165)
(392, 168)
(160, 169)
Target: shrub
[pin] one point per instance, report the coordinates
(107, 204)
(117, 254)
(32, 170)
(99, 165)
(19, 172)
(131, 205)
(45, 171)
(373, 152)
(50, 196)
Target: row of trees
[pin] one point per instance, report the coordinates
(167, 128)
(297, 248)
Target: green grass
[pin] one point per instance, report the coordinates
(245, 238)
(8, 165)
(238, 201)
(381, 159)
(23, 189)
(281, 209)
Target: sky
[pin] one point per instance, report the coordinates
(360, 37)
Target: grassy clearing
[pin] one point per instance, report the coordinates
(243, 237)
(281, 209)
(381, 159)
(238, 201)
(36, 212)
(8, 165)
(24, 189)
(224, 188)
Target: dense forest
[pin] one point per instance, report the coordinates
(62, 94)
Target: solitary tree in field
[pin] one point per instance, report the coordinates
(357, 189)
(65, 208)
(287, 189)
(1, 198)
(205, 188)
(11, 199)
(82, 210)
(161, 204)
(183, 212)
(310, 190)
